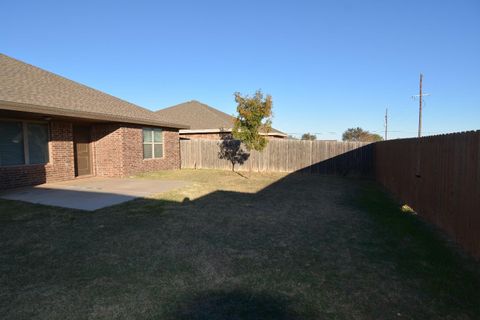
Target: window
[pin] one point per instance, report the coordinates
(152, 143)
(23, 143)
(37, 143)
(11, 143)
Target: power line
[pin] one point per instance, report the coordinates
(372, 131)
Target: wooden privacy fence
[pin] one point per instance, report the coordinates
(439, 177)
(280, 156)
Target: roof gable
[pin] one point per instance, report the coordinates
(200, 116)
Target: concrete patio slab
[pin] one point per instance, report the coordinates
(91, 193)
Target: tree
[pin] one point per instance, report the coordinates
(254, 117)
(358, 134)
(308, 136)
(232, 151)
(375, 137)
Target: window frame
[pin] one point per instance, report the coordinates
(26, 151)
(152, 143)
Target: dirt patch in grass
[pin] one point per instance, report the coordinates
(267, 246)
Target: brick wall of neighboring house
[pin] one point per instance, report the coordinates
(276, 137)
(60, 167)
(119, 151)
(204, 136)
(215, 136)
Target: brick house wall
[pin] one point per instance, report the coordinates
(133, 151)
(116, 151)
(60, 167)
(107, 150)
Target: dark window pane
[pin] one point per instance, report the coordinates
(147, 135)
(147, 151)
(158, 135)
(158, 150)
(37, 143)
(11, 143)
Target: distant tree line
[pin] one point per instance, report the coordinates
(360, 135)
(308, 136)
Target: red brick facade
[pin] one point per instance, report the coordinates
(133, 150)
(116, 151)
(107, 150)
(60, 167)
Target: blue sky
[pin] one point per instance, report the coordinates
(329, 65)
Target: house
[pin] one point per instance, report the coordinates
(205, 122)
(54, 129)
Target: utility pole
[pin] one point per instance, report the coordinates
(420, 108)
(420, 101)
(386, 123)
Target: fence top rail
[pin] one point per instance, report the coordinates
(435, 136)
(282, 141)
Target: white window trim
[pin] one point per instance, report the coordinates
(26, 151)
(153, 143)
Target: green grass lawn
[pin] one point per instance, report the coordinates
(263, 246)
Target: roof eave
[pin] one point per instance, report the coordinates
(24, 107)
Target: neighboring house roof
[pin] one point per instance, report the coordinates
(26, 88)
(203, 118)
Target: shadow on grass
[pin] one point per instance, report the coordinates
(419, 250)
(235, 304)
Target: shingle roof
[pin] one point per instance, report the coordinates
(26, 88)
(200, 116)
